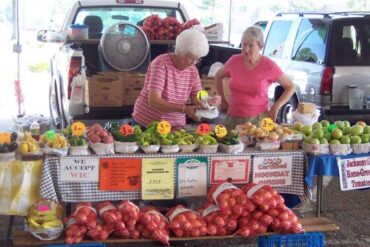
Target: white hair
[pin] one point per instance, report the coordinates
(256, 33)
(192, 42)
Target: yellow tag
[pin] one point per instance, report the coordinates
(267, 124)
(202, 94)
(220, 131)
(163, 127)
(157, 179)
(5, 137)
(78, 128)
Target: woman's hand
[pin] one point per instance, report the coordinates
(273, 112)
(215, 100)
(190, 112)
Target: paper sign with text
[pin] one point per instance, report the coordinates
(354, 173)
(157, 179)
(274, 171)
(230, 169)
(191, 176)
(79, 169)
(120, 174)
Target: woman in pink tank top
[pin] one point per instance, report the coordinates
(250, 75)
(172, 80)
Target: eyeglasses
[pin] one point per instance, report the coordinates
(193, 59)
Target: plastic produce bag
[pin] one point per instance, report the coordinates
(76, 105)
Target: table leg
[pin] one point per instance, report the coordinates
(319, 196)
(10, 227)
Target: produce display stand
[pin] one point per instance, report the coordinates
(22, 238)
(324, 165)
(52, 187)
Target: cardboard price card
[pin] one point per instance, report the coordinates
(78, 128)
(267, 124)
(79, 170)
(163, 127)
(120, 174)
(126, 130)
(157, 179)
(230, 169)
(203, 129)
(220, 131)
(5, 137)
(274, 170)
(192, 176)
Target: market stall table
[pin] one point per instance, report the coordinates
(324, 165)
(52, 187)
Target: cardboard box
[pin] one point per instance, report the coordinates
(214, 32)
(133, 83)
(105, 91)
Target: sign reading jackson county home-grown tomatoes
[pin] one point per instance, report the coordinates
(163, 127)
(230, 169)
(354, 173)
(120, 174)
(78, 129)
(274, 170)
(191, 176)
(79, 169)
(157, 179)
(267, 124)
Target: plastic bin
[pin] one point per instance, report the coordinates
(78, 32)
(311, 239)
(78, 245)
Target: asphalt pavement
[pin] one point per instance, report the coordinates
(350, 210)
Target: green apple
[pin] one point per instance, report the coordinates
(334, 141)
(323, 141)
(307, 129)
(365, 138)
(339, 124)
(357, 130)
(345, 140)
(367, 129)
(346, 130)
(318, 133)
(317, 125)
(314, 141)
(355, 140)
(346, 123)
(327, 136)
(336, 133)
(325, 123)
(298, 126)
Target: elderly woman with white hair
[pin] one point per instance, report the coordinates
(250, 75)
(172, 79)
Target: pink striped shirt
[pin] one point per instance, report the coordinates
(175, 86)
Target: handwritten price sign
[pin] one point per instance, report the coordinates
(220, 131)
(267, 124)
(5, 137)
(163, 127)
(78, 128)
(202, 94)
(126, 130)
(203, 129)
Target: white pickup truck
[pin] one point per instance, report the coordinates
(93, 56)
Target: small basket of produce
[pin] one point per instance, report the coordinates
(186, 141)
(54, 144)
(8, 147)
(231, 143)
(44, 219)
(100, 141)
(168, 143)
(207, 143)
(149, 140)
(126, 138)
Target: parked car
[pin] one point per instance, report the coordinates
(323, 53)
